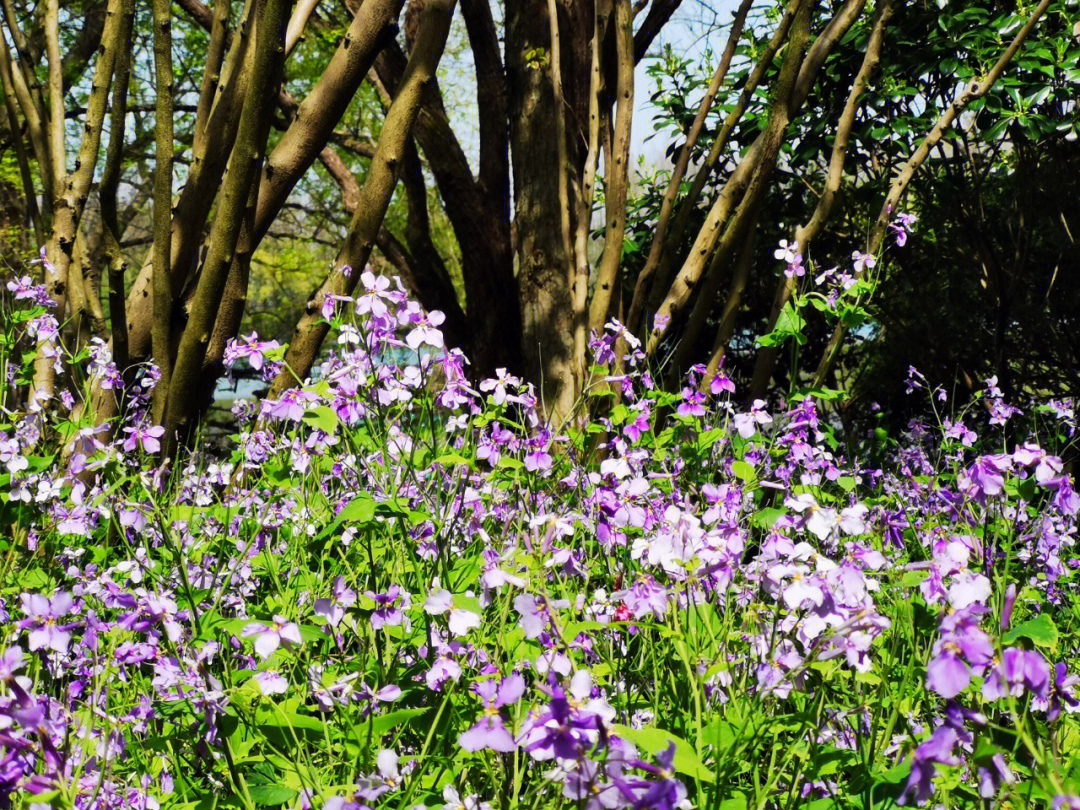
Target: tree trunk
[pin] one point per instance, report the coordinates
(545, 267)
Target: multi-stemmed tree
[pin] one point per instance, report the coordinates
(554, 101)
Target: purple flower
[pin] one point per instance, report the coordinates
(538, 460)
(269, 637)
(693, 403)
(10, 663)
(386, 778)
(1061, 694)
(665, 793)
(387, 613)
(992, 773)
(367, 695)
(962, 646)
(1018, 670)
(644, 597)
(984, 478)
(42, 615)
(570, 725)
(271, 682)
(1007, 606)
(901, 227)
(721, 383)
(787, 253)
(863, 262)
(250, 347)
(490, 731)
(333, 609)
(938, 750)
(291, 406)
(146, 437)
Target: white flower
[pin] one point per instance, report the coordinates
(271, 682)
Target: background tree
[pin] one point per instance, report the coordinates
(292, 127)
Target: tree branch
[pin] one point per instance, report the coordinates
(766, 359)
(975, 90)
(667, 205)
(491, 106)
(107, 188)
(756, 182)
(243, 165)
(616, 169)
(376, 194)
(163, 170)
(659, 13)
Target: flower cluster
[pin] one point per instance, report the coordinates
(404, 587)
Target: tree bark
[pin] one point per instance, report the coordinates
(542, 261)
(163, 171)
(224, 233)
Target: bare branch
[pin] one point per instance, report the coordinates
(491, 107)
(766, 359)
(755, 180)
(659, 13)
(295, 32)
(651, 289)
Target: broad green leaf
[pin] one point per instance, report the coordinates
(743, 470)
(655, 741)
(322, 418)
(271, 795)
(360, 510)
(1040, 630)
(385, 722)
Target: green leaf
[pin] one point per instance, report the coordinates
(360, 510)
(743, 470)
(450, 459)
(322, 418)
(720, 734)
(707, 439)
(271, 795)
(1040, 630)
(766, 518)
(286, 716)
(384, 723)
(655, 741)
(913, 579)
